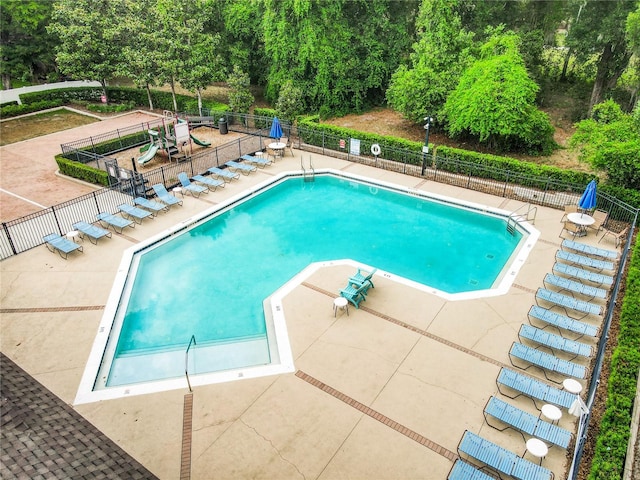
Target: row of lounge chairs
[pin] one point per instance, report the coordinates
(577, 272)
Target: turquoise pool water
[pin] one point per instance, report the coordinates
(211, 280)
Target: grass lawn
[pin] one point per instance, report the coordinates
(31, 126)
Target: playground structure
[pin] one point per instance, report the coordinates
(173, 137)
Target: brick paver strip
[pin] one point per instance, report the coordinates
(187, 423)
(407, 432)
(42, 437)
(417, 330)
(52, 309)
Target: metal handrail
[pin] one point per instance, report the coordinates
(186, 360)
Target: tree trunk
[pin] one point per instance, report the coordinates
(103, 82)
(563, 75)
(6, 81)
(149, 96)
(601, 77)
(173, 95)
(199, 92)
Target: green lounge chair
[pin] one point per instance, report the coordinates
(63, 246)
(354, 293)
(93, 232)
(361, 277)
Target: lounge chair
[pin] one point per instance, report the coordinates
(554, 342)
(533, 388)
(210, 183)
(562, 322)
(114, 221)
(287, 142)
(240, 167)
(134, 213)
(166, 197)
(462, 470)
(567, 302)
(565, 284)
(583, 261)
(257, 161)
(151, 205)
(500, 459)
(582, 274)
(355, 294)
(522, 421)
(546, 362)
(600, 220)
(589, 250)
(62, 245)
(617, 237)
(93, 232)
(224, 174)
(361, 277)
(192, 188)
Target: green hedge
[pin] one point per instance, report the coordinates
(611, 446)
(82, 171)
(15, 110)
(6, 104)
(64, 95)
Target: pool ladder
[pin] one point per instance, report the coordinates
(186, 360)
(516, 217)
(308, 175)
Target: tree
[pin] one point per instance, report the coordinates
(610, 142)
(90, 40)
(290, 102)
(601, 32)
(438, 59)
(25, 44)
(340, 53)
(240, 97)
(494, 101)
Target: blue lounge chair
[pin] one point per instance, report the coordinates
(567, 302)
(572, 286)
(192, 188)
(257, 161)
(240, 167)
(589, 250)
(524, 422)
(554, 342)
(546, 362)
(151, 205)
(93, 232)
(562, 322)
(582, 274)
(114, 221)
(134, 213)
(63, 246)
(165, 197)
(361, 277)
(355, 294)
(575, 259)
(224, 174)
(462, 470)
(532, 388)
(210, 183)
(500, 459)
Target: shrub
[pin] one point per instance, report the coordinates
(15, 110)
(82, 171)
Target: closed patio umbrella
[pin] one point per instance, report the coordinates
(588, 199)
(276, 129)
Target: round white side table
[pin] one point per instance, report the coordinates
(537, 448)
(340, 303)
(572, 386)
(551, 412)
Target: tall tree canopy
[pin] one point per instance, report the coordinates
(25, 45)
(341, 53)
(601, 32)
(494, 101)
(439, 57)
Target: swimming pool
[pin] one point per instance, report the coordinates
(203, 276)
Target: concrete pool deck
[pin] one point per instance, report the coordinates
(385, 392)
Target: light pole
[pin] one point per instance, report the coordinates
(425, 149)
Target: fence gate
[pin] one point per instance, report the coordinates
(125, 180)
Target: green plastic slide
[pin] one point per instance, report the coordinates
(147, 157)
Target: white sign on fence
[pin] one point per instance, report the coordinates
(354, 146)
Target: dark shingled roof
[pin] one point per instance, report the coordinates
(42, 437)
